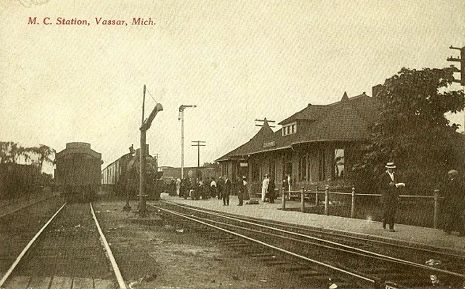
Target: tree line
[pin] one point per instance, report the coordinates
(12, 152)
(412, 130)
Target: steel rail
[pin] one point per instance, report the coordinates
(28, 246)
(352, 274)
(103, 240)
(355, 236)
(386, 257)
(288, 238)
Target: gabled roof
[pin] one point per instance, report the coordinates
(253, 144)
(311, 112)
(341, 122)
(345, 120)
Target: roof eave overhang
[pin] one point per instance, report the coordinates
(270, 150)
(330, 140)
(231, 158)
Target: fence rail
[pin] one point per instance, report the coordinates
(305, 194)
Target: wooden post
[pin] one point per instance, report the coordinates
(327, 200)
(283, 198)
(316, 196)
(302, 200)
(436, 208)
(352, 206)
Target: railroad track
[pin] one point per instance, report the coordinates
(349, 262)
(451, 260)
(69, 251)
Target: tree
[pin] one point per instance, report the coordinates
(412, 129)
(43, 152)
(10, 152)
(209, 164)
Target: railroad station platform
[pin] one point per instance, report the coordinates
(409, 235)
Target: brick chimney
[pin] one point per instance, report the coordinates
(375, 90)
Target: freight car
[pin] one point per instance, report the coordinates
(77, 172)
(122, 176)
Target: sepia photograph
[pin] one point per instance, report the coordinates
(232, 144)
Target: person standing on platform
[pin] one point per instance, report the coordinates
(388, 187)
(285, 186)
(213, 188)
(184, 190)
(226, 191)
(178, 187)
(242, 191)
(453, 204)
(265, 184)
(220, 186)
(271, 190)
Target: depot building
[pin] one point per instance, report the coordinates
(315, 146)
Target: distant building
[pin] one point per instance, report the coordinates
(316, 145)
(175, 172)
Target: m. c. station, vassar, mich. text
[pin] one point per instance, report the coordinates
(100, 21)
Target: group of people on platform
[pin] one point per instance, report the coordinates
(388, 184)
(223, 187)
(197, 188)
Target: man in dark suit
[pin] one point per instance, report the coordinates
(226, 191)
(453, 205)
(271, 189)
(220, 185)
(242, 191)
(388, 187)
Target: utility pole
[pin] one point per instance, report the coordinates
(145, 126)
(181, 117)
(198, 144)
(262, 122)
(462, 66)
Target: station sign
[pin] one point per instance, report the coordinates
(390, 285)
(243, 164)
(269, 144)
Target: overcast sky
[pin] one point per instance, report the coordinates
(236, 60)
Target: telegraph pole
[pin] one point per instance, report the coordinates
(181, 117)
(262, 122)
(198, 144)
(462, 66)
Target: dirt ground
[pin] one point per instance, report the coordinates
(18, 228)
(165, 256)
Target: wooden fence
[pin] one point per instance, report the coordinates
(327, 194)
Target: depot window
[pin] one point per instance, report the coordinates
(289, 129)
(338, 163)
(303, 168)
(255, 171)
(321, 165)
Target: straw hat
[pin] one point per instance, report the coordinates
(453, 173)
(390, 165)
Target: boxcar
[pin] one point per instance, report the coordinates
(77, 172)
